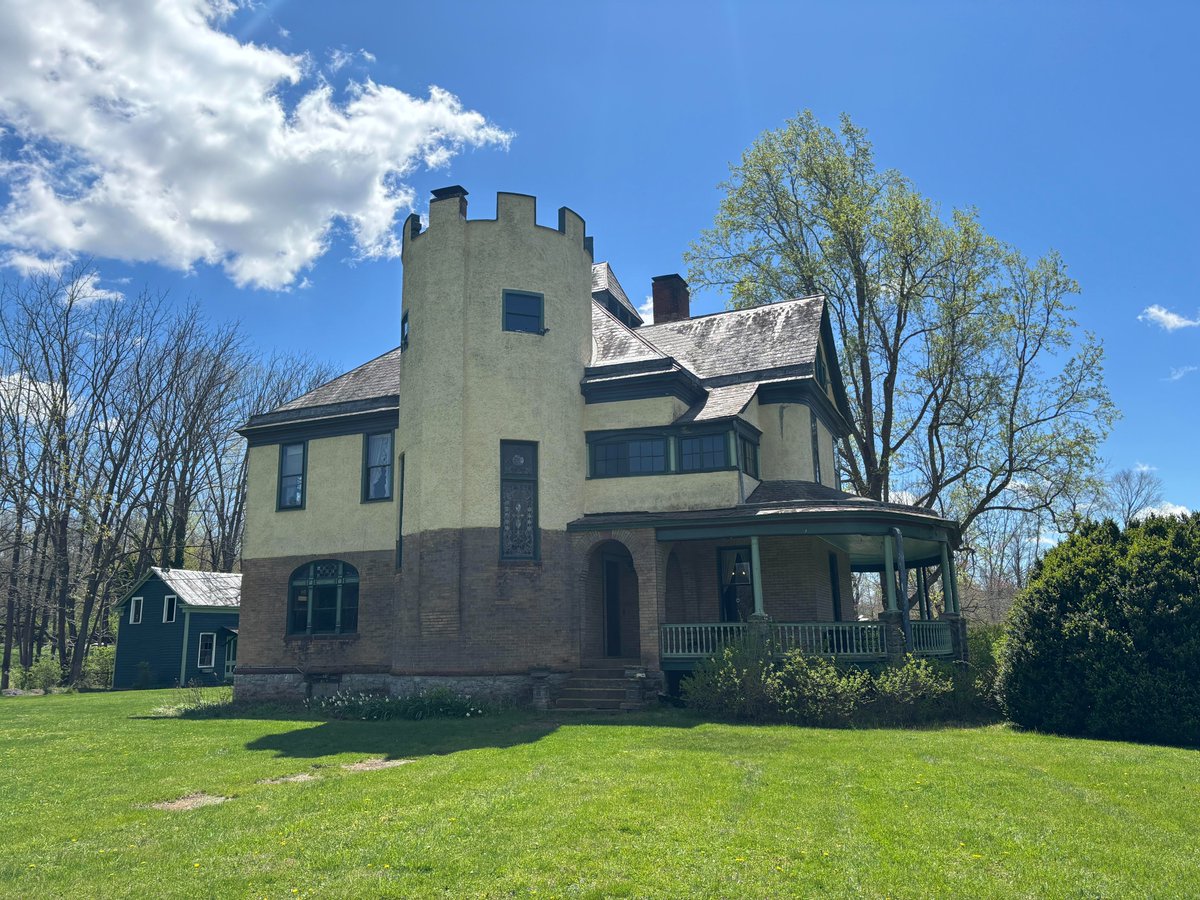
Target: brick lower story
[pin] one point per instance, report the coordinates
(293, 687)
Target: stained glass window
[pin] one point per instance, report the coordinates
(518, 500)
(323, 598)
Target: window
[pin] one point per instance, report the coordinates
(377, 467)
(169, 604)
(749, 457)
(822, 374)
(292, 459)
(518, 500)
(523, 312)
(207, 657)
(637, 456)
(135, 611)
(816, 447)
(404, 332)
(323, 598)
(709, 451)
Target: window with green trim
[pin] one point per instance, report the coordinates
(749, 457)
(816, 447)
(703, 452)
(632, 456)
(292, 461)
(377, 466)
(323, 598)
(523, 312)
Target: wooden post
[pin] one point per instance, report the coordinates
(889, 574)
(923, 593)
(756, 574)
(953, 580)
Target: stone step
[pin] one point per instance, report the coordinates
(609, 662)
(575, 693)
(600, 673)
(578, 682)
(570, 703)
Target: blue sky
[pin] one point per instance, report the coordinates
(1067, 125)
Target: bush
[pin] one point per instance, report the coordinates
(98, 667)
(809, 690)
(1105, 640)
(916, 691)
(432, 704)
(733, 683)
(44, 674)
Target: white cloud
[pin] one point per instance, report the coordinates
(1166, 508)
(146, 133)
(1178, 372)
(1163, 317)
(646, 310)
(1144, 467)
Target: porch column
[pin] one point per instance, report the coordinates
(953, 582)
(922, 593)
(949, 580)
(889, 575)
(756, 577)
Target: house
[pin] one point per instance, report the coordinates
(537, 495)
(177, 627)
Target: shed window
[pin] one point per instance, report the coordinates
(135, 611)
(523, 312)
(709, 451)
(292, 459)
(169, 604)
(323, 598)
(207, 656)
(377, 466)
(636, 456)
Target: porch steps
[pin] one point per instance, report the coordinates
(600, 685)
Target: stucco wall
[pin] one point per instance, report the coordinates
(691, 490)
(649, 412)
(334, 518)
(785, 448)
(466, 384)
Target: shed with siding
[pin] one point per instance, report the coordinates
(177, 627)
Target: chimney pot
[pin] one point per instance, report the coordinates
(672, 300)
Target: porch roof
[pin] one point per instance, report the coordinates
(856, 525)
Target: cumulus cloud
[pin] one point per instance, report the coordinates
(139, 130)
(646, 310)
(1178, 372)
(1166, 508)
(1164, 318)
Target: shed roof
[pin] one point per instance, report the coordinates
(212, 589)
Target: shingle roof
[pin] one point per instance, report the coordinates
(613, 342)
(604, 279)
(721, 402)
(807, 491)
(742, 341)
(216, 589)
(378, 378)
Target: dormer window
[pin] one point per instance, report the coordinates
(822, 374)
(523, 312)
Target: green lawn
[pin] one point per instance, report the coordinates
(518, 805)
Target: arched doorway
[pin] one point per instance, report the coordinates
(614, 624)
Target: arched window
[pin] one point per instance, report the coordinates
(323, 598)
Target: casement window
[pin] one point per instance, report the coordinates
(323, 598)
(293, 459)
(169, 603)
(523, 312)
(629, 456)
(135, 611)
(703, 453)
(206, 658)
(816, 447)
(749, 457)
(518, 500)
(377, 467)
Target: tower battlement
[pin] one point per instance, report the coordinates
(448, 208)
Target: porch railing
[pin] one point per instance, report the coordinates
(861, 640)
(932, 639)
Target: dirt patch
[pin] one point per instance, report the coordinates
(289, 779)
(191, 801)
(374, 765)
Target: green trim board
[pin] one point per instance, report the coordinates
(805, 391)
(676, 382)
(323, 427)
(672, 435)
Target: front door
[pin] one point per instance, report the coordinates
(612, 607)
(230, 656)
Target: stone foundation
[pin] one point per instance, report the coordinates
(510, 690)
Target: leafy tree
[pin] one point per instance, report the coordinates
(1105, 641)
(968, 385)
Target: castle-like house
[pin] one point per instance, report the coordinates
(538, 496)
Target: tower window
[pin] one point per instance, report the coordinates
(523, 312)
(518, 500)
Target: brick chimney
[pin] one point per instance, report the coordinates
(672, 301)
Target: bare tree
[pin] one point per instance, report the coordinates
(1133, 491)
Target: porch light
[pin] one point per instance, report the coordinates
(741, 571)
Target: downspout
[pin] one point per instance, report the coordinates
(905, 622)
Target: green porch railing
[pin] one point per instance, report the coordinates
(859, 640)
(932, 639)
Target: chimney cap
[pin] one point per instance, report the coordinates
(447, 193)
(674, 276)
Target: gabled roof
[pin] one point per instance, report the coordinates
(742, 341)
(605, 280)
(378, 378)
(211, 590)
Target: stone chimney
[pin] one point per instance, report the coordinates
(672, 301)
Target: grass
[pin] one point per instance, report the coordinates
(522, 805)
